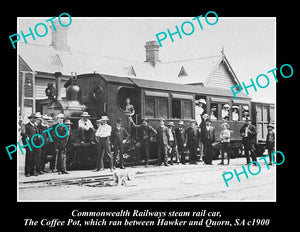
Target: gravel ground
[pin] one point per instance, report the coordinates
(174, 183)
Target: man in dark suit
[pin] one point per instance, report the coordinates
(119, 136)
(172, 143)
(32, 164)
(180, 135)
(61, 136)
(144, 134)
(248, 133)
(270, 141)
(208, 137)
(192, 139)
(162, 143)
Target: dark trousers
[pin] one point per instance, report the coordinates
(181, 152)
(271, 150)
(250, 148)
(225, 148)
(162, 151)
(208, 152)
(103, 148)
(86, 135)
(33, 161)
(145, 147)
(192, 147)
(173, 152)
(118, 147)
(61, 153)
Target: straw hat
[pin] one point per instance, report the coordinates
(171, 124)
(60, 115)
(104, 118)
(85, 114)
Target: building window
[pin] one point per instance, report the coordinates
(162, 107)
(187, 109)
(149, 107)
(176, 108)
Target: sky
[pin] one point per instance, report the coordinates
(249, 42)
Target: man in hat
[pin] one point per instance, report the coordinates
(144, 134)
(172, 143)
(85, 128)
(32, 158)
(270, 141)
(208, 137)
(60, 143)
(180, 137)
(162, 139)
(192, 139)
(248, 133)
(205, 117)
(102, 135)
(43, 125)
(118, 137)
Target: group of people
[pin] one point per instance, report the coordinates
(36, 157)
(171, 142)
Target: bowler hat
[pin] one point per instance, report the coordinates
(180, 122)
(119, 120)
(85, 114)
(192, 120)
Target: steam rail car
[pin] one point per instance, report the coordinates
(101, 94)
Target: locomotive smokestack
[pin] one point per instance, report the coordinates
(58, 85)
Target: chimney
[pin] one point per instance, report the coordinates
(59, 38)
(152, 52)
(58, 85)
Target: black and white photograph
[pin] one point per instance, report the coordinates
(154, 109)
(149, 116)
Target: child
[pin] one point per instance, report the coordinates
(225, 140)
(270, 142)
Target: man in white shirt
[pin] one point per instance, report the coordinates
(85, 128)
(102, 135)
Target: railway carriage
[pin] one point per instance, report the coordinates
(101, 94)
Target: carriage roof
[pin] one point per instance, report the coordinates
(167, 86)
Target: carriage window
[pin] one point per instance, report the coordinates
(187, 109)
(235, 113)
(162, 108)
(176, 108)
(214, 111)
(245, 112)
(272, 114)
(225, 112)
(149, 107)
